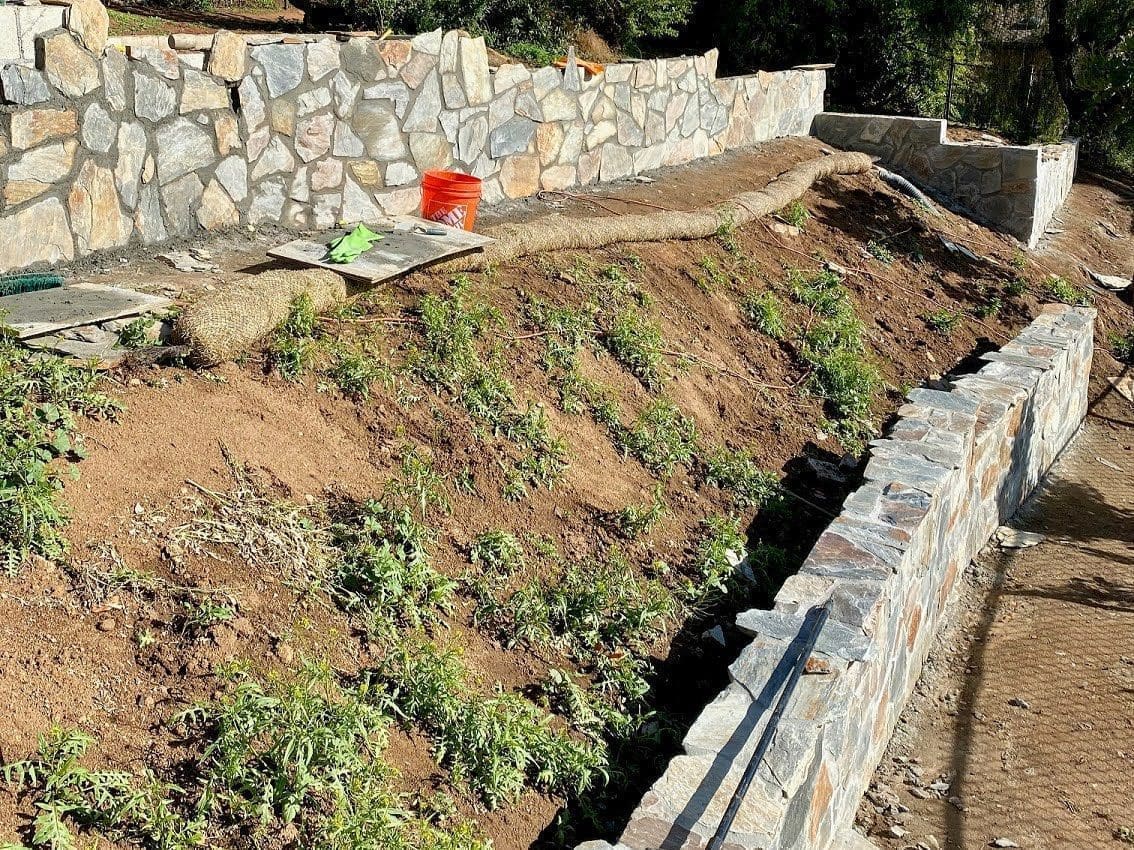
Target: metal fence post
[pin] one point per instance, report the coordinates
(949, 88)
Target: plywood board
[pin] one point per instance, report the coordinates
(33, 314)
(401, 251)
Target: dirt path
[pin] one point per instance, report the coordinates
(1025, 717)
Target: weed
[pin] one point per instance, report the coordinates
(292, 349)
(498, 552)
(543, 457)
(1019, 260)
(354, 372)
(635, 342)
(737, 472)
(307, 750)
(989, 308)
(765, 312)
(496, 745)
(713, 277)
(584, 709)
(1016, 287)
(383, 571)
(1122, 346)
(833, 348)
(943, 322)
(1060, 289)
(716, 559)
(661, 437)
(635, 520)
(726, 234)
(795, 214)
(880, 252)
(418, 485)
(40, 396)
(122, 806)
(135, 334)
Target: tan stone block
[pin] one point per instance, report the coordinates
(228, 58)
(549, 139)
(519, 176)
(90, 22)
(281, 116)
(558, 177)
(31, 127)
(96, 215)
(39, 234)
(228, 134)
(367, 172)
(68, 66)
(217, 210)
(395, 52)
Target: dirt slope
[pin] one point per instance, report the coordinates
(71, 655)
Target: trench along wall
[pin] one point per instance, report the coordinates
(1016, 188)
(108, 144)
(953, 467)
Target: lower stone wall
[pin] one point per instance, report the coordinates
(104, 144)
(1012, 187)
(953, 467)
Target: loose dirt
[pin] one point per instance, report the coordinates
(71, 657)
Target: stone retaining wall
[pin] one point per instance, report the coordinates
(954, 466)
(103, 145)
(1014, 188)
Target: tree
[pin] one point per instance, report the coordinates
(1092, 51)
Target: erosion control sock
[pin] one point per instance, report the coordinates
(16, 284)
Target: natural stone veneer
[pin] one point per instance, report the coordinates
(1013, 187)
(953, 467)
(140, 142)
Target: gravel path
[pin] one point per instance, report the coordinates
(1021, 732)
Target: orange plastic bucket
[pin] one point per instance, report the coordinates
(450, 197)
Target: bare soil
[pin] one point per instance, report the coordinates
(69, 657)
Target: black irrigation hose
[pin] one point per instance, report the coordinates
(821, 614)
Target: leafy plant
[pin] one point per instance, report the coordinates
(498, 552)
(1122, 346)
(880, 252)
(795, 214)
(40, 396)
(1060, 289)
(293, 346)
(496, 744)
(765, 312)
(635, 520)
(716, 560)
(354, 372)
(1016, 287)
(943, 322)
(124, 807)
(636, 343)
(135, 334)
(661, 437)
(713, 277)
(738, 472)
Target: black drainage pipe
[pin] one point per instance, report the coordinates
(821, 613)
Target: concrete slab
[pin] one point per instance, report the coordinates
(34, 314)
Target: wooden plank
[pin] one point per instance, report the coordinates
(400, 252)
(33, 314)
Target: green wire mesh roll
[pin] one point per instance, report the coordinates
(16, 284)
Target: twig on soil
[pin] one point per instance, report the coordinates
(724, 370)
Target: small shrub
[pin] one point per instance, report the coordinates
(1060, 289)
(1016, 287)
(738, 473)
(496, 745)
(635, 343)
(795, 214)
(726, 235)
(635, 520)
(718, 554)
(1122, 346)
(880, 252)
(989, 307)
(713, 277)
(135, 334)
(765, 312)
(943, 322)
(497, 552)
(661, 437)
